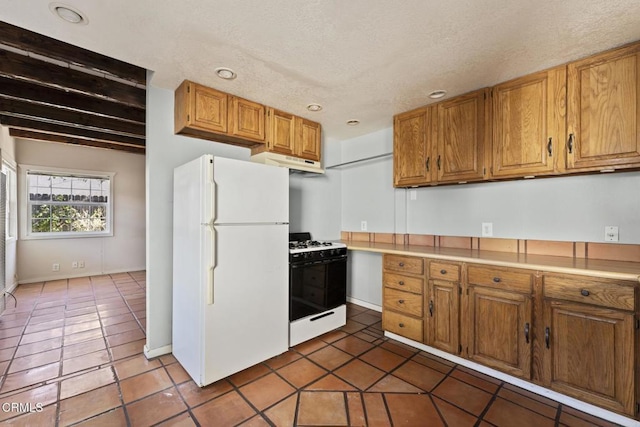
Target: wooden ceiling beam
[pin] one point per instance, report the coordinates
(70, 131)
(24, 67)
(26, 134)
(22, 39)
(30, 91)
(26, 109)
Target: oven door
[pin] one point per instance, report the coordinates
(317, 286)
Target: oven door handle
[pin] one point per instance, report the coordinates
(300, 264)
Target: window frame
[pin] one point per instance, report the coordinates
(11, 224)
(25, 205)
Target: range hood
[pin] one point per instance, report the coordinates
(287, 162)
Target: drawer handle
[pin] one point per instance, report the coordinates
(401, 264)
(584, 293)
(401, 301)
(497, 279)
(547, 336)
(443, 271)
(401, 325)
(401, 283)
(526, 332)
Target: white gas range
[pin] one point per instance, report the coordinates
(317, 287)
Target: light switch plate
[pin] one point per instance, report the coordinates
(611, 233)
(487, 229)
(413, 195)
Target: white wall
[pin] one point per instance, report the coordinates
(165, 151)
(124, 251)
(572, 208)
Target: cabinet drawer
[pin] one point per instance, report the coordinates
(444, 271)
(405, 302)
(411, 265)
(404, 283)
(401, 324)
(605, 293)
(501, 278)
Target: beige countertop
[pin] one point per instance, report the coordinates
(621, 270)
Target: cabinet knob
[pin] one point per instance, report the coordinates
(401, 325)
(443, 271)
(401, 301)
(401, 283)
(497, 279)
(584, 293)
(401, 264)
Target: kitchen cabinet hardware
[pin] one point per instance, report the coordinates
(443, 271)
(550, 147)
(570, 143)
(401, 264)
(427, 163)
(497, 279)
(526, 332)
(547, 337)
(438, 161)
(584, 293)
(400, 301)
(401, 283)
(401, 325)
(431, 308)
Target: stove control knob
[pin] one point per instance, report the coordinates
(321, 254)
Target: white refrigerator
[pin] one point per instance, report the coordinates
(230, 265)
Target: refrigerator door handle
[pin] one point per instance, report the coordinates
(213, 265)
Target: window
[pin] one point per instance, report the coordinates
(67, 204)
(11, 219)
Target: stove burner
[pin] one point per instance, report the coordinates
(308, 244)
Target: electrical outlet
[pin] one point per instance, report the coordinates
(74, 264)
(55, 267)
(487, 229)
(81, 264)
(363, 225)
(611, 233)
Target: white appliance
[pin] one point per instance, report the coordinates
(230, 265)
(290, 162)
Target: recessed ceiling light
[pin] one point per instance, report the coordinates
(226, 73)
(437, 94)
(353, 122)
(68, 13)
(314, 107)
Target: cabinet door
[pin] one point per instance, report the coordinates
(528, 123)
(442, 316)
(208, 108)
(412, 146)
(603, 110)
(499, 330)
(588, 354)
(308, 139)
(462, 137)
(246, 119)
(281, 132)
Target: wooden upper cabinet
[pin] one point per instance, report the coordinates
(413, 136)
(603, 110)
(246, 119)
(308, 139)
(201, 108)
(281, 132)
(528, 124)
(463, 134)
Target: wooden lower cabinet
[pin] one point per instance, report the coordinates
(499, 330)
(584, 332)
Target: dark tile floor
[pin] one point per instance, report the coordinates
(71, 354)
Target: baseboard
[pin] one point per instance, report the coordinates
(553, 395)
(73, 276)
(364, 304)
(157, 352)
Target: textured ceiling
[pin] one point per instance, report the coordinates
(360, 59)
